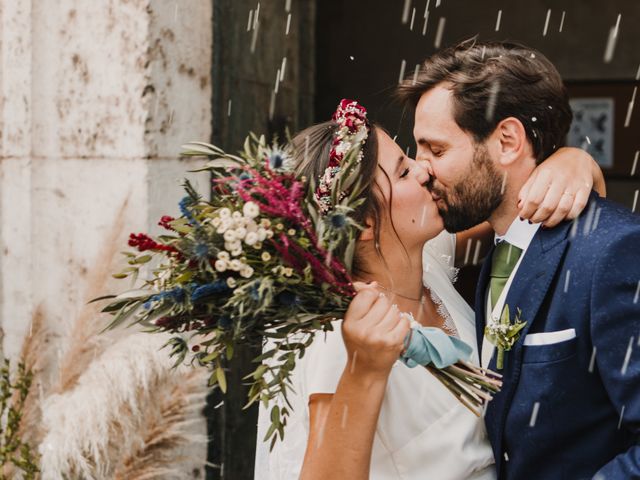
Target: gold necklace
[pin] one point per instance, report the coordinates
(421, 299)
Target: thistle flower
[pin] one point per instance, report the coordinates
(209, 289)
(184, 204)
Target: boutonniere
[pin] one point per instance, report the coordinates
(503, 333)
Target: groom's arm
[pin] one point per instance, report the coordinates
(615, 328)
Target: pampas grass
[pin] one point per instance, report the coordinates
(86, 340)
(109, 408)
(34, 354)
(125, 417)
(165, 425)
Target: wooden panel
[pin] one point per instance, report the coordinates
(247, 80)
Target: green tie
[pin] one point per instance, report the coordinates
(505, 258)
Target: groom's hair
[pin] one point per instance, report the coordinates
(491, 81)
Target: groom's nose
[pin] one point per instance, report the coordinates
(422, 173)
(424, 163)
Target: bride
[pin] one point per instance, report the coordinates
(358, 412)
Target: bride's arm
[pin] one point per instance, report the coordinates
(559, 188)
(342, 425)
(542, 199)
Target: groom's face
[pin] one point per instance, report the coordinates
(465, 183)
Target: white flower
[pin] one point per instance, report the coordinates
(231, 282)
(223, 256)
(224, 213)
(251, 210)
(343, 147)
(241, 233)
(241, 222)
(236, 215)
(262, 234)
(250, 225)
(230, 246)
(287, 271)
(221, 265)
(225, 224)
(237, 252)
(246, 271)
(235, 265)
(230, 236)
(269, 234)
(216, 222)
(266, 256)
(251, 238)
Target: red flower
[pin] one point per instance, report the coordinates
(164, 222)
(144, 242)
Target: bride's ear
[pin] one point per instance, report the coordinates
(511, 140)
(368, 233)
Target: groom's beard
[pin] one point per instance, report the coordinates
(472, 200)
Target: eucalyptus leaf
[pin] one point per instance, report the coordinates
(222, 379)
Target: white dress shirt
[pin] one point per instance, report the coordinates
(520, 234)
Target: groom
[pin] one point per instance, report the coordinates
(485, 115)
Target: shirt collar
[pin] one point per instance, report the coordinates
(519, 234)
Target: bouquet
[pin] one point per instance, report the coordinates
(265, 259)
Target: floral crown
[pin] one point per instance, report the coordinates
(353, 130)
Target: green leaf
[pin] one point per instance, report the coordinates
(210, 358)
(185, 277)
(222, 379)
(348, 254)
(259, 372)
(275, 415)
(104, 297)
(124, 314)
(270, 432)
(505, 319)
(135, 294)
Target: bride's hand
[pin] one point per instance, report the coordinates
(373, 332)
(559, 188)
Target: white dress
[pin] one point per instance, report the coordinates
(423, 432)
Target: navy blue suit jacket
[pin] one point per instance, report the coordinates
(583, 275)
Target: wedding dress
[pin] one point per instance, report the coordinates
(423, 432)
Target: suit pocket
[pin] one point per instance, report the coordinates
(554, 352)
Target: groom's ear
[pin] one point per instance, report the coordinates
(512, 140)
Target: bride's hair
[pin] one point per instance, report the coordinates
(311, 157)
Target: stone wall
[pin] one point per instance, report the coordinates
(95, 100)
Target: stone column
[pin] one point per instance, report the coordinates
(95, 100)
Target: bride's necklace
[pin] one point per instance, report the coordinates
(421, 299)
(447, 326)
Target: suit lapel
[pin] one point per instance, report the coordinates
(480, 303)
(527, 292)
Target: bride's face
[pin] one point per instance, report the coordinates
(412, 210)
